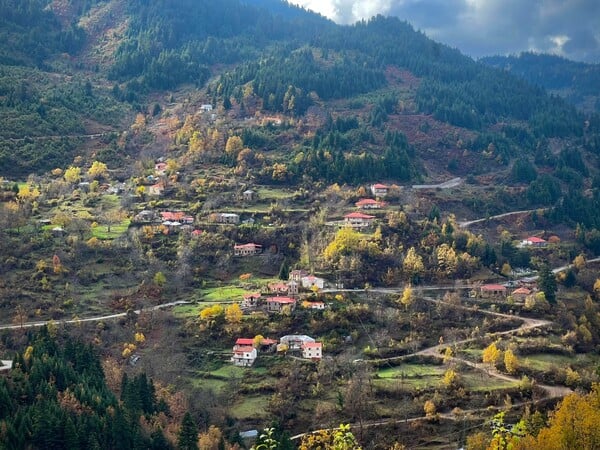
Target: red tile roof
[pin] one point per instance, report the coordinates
(522, 291)
(243, 349)
(535, 240)
(282, 300)
(312, 345)
(250, 245)
(358, 215)
(174, 216)
(380, 186)
(366, 201)
(245, 341)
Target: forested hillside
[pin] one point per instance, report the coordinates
(56, 397)
(576, 81)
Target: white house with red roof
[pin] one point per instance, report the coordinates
(534, 241)
(369, 203)
(247, 249)
(520, 294)
(312, 350)
(244, 353)
(379, 190)
(276, 304)
(295, 341)
(358, 220)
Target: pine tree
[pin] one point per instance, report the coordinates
(547, 283)
(284, 270)
(188, 434)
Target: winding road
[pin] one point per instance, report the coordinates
(89, 319)
(468, 223)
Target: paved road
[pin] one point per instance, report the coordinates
(89, 319)
(468, 223)
(445, 185)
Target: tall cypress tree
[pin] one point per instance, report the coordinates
(188, 434)
(547, 283)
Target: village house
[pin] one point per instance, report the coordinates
(250, 300)
(312, 350)
(277, 304)
(492, 291)
(206, 108)
(310, 280)
(520, 294)
(297, 275)
(227, 218)
(248, 195)
(379, 190)
(369, 203)
(533, 241)
(145, 215)
(160, 168)
(292, 288)
(247, 249)
(278, 288)
(244, 356)
(176, 216)
(295, 341)
(358, 220)
(172, 227)
(313, 305)
(156, 190)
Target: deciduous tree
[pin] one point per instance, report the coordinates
(491, 354)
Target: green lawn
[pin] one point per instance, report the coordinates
(251, 408)
(264, 193)
(411, 371)
(223, 293)
(545, 361)
(480, 381)
(415, 376)
(116, 230)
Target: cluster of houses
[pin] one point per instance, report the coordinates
(282, 294)
(501, 292)
(172, 221)
(245, 350)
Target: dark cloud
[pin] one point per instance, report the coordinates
(570, 28)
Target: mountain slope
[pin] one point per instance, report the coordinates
(575, 81)
(277, 57)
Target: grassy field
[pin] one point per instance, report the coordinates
(545, 362)
(267, 193)
(416, 376)
(251, 408)
(223, 293)
(101, 231)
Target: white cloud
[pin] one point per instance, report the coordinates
(485, 27)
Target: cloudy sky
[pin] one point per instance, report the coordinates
(570, 28)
